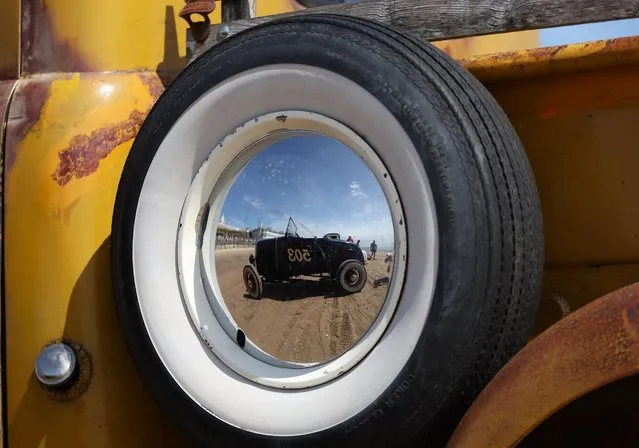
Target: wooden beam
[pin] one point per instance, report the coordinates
(447, 19)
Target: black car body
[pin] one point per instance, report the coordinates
(291, 255)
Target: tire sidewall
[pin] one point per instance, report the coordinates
(433, 128)
(249, 270)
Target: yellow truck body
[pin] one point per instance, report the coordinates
(77, 80)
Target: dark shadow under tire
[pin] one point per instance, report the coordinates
(490, 259)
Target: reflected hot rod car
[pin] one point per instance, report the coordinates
(291, 255)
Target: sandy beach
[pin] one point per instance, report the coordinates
(306, 319)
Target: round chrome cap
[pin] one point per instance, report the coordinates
(55, 365)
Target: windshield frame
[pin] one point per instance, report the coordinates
(291, 228)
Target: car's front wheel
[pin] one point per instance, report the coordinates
(351, 276)
(252, 281)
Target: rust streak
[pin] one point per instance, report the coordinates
(82, 157)
(154, 83)
(587, 56)
(43, 51)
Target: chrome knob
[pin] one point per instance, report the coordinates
(55, 365)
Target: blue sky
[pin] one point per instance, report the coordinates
(588, 32)
(319, 182)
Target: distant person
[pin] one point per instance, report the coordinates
(388, 260)
(349, 239)
(357, 243)
(373, 249)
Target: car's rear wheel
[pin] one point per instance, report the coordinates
(252, 281)
(469, 253)
(351, 276)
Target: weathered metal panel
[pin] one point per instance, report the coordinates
(590, 348)
(66, 36)
(575, 109)
(43, 49)
(554, 61)
(69, 136)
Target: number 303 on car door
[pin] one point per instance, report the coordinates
(299, 255)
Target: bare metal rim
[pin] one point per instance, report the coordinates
(212, 184)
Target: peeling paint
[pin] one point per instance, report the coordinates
(549, 61)
(154, 83)
(29, 97)
(82, 157)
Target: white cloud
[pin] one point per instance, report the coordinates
(255, 202)
(356, 189)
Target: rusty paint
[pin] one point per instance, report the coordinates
(30, 95)
(98, 36)
(554, 60)
(203, 8)
(52, 297)
(591, 347)
(82, 157)
(42, 50)
(154, 82)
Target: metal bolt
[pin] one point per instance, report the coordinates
(55, 365)
(223, 32)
